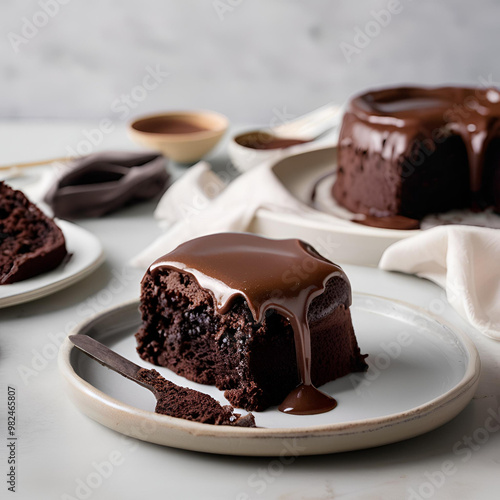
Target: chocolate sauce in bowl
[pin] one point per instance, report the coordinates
(264, 140)
(169, 125)
(231, 265)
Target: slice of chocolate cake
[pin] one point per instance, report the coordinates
(258, 318)
(30, 242)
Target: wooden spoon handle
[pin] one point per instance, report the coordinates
(36, 163)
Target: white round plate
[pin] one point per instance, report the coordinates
(86, 256)
(332, 232)
(422, 373)
(337, 238)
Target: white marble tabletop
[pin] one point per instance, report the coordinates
(59, 449)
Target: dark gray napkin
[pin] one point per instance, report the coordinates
(100, 183)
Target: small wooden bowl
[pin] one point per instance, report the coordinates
(183, 136)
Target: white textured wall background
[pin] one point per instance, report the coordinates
(262, 54)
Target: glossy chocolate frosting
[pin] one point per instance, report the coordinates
(284, 275)
(100, 183)
(412, 112)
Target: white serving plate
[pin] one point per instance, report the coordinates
(408, 390)
(331, 232)
(86, 256)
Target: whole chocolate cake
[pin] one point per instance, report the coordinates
(413, 151)
(30, 242)
(259, 318)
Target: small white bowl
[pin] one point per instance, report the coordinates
(183, 136)
(316, 129)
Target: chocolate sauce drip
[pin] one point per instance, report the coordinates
(389, 222)
(284, 275)
(414, 113)
(307, 400)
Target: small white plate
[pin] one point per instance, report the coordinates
(422, 374)
(86, 256)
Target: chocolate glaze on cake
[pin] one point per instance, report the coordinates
(30, 242)
(412, 151)
(100, 183)
(246, 278)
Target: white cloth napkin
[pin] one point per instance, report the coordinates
(199, 204)
(465, 261)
